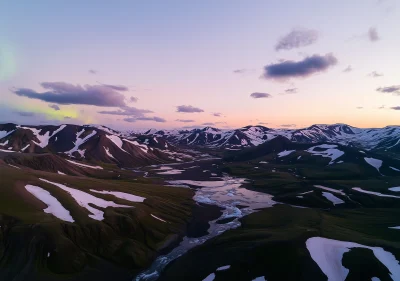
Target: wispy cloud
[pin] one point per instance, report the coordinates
(54, 106)
(295, 69)
(185, 120)
(92, 71)
(133, 99)
(348, 69)
(297, 38)
(375, 74)
(25, 114)
(288, 125)
(395, 107)
(128, 111)
(373, 34)
(240, 71)
(154, 118)
(188, 109)
(66, 93)
(290, 91)
(208, 124)
(359, 107)
(216, 114)
(395, 89)
(257, 95)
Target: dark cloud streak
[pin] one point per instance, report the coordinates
(66, 93)
(294, 69)
(188, 109)
(257, 95)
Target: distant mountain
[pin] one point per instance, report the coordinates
(89, 143)
(387, 138)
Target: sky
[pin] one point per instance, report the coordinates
(184, 64)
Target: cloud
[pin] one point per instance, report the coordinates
(395, 89)
(25, 114)
(348, 69)
(67, 117)
(240, 71)
(216, 114)
(288, 125)
(188, 109)
(54, 106)
(128, 111)
(65, 93)
(297, 38)
(119, 88)
(92, 71)
(381, 107)
(293, 69)
(375, 74)
(359, 107)
(133, 99)
(289, 91)
(155, 119)
(184, 120)
(257, 95)
(373, 34)
(396, 108)
(208, 124)
(263, 123)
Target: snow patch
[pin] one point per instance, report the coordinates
(157, 218)
(285, 153)
(225, 267)
(117, 141)
(332, 198)
(330, 189)
(121, 195)
(328, 254)
(84, 165)
(108, 152)
(85, 200)
(376, 163)
(374, 193)
(330, 151)
(54, 207)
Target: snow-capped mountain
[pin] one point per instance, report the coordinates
(387, 138)
(89, 142)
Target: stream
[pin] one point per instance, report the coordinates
(226, 192)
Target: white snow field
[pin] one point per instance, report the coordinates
(285, 153)
(330, 189)
(117, 141)
(79, 141)
(85, 199)
(121, 195)
(374, 193)
(330, 151)
(332, 198)
(43, 139)
(328, 254)
(84, 165)
(54, 206)
(376, 163)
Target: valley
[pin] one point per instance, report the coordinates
(89, 202)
